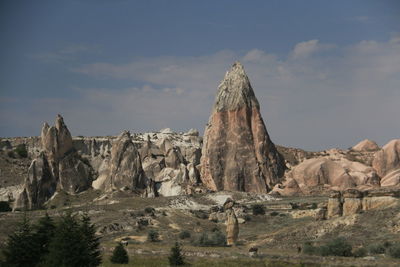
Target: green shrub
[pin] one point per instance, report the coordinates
(394, 250)
(176, 257)
(184, 234)
(309, 249)
(376, 249)
(119, 255)
(4, 206)
(274, 213)
(21, 151)
(210, 239)
(336, 247)
(149, 210)
(258, 209)
(153, 236)
(360, 252)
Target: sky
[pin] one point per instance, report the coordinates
(326, 73)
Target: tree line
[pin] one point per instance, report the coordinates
(69, 241)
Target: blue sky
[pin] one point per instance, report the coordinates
(327, 73)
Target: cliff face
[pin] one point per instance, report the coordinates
(237, 153)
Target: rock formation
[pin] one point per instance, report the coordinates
(238, 154)
(388, 158)
(124, 170)
(352, 201)
(232, 225)
(327, 172)
(58, 166)
(366, 145)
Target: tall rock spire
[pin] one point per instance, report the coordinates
(238, 154)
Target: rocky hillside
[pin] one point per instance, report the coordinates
(237, 155)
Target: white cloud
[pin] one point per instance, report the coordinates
(336, 99)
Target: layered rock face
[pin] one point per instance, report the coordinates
(58, 166)
(352, 201)
(238, 154)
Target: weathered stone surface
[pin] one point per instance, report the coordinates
(74, 175)
(318, 172)
(335, 205)
(352, 206)
(39, 185)
(388, 158)
(232, 224)
(392, 178)
(237, 153)
(379, 202)
(366, 145)
(57, 166)
(124, 171)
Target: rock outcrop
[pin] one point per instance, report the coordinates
(352, 201)
(232, 225)
(366, 145)
(58, 166)
(388, 158)
(124, 170)
(324, 173)
(238, 154)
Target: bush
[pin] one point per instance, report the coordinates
(153, 236)
(21, 151)
(4, 206)
(184, 234)
(394, 250)
(119, 255)
(149, 210)
(258, 209)
(360, 252)
(274, 213)
(309, 249)
(176, 257)
(376, 249)
(210, 239)
(336, 247)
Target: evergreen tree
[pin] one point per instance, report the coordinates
(44, 232)
(176, 257)
(67, 247)
(20, 249)
(91, 240)
(119, 255)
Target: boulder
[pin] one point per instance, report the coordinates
(238, 154)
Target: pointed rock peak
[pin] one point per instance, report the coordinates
(235, 90)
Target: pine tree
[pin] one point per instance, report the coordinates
(92, 241)
(67, 247)
(44, 232)
(176, 257)
(20, 249)
(119, 255)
